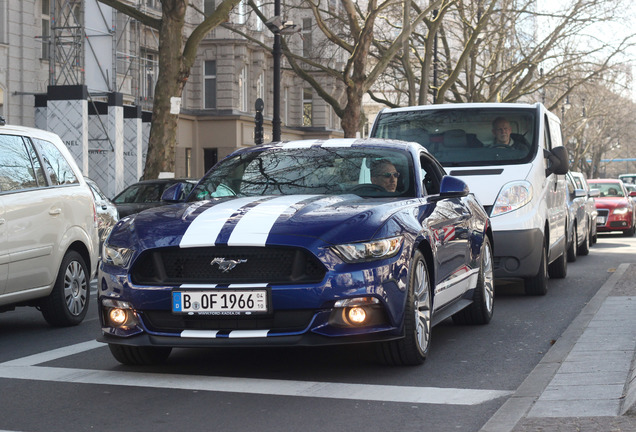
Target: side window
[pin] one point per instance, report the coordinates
(19, 169)
(431, 176)
(57, 167)
(548, 139)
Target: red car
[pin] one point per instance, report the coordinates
(615, 208)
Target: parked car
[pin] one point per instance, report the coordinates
(615, 208)
(590, 204)
(301, 243)
(628, 178)
(578, 221)
(106, 211)
(48, 227)
(147, 194)
(521, 183)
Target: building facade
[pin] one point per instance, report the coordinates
(90, 71)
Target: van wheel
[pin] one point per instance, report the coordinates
(559, 268)
(139, 356)
(68, 302)
(538, 284)
(573, 247)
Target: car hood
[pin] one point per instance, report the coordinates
(611, 202)
(256, 221)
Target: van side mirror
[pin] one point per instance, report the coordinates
(558, 161)
(595, 193)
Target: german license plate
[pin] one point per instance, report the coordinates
(220, 302)
(600, 220)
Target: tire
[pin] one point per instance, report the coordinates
(480, 310)
(559, 268)
(68, 302)
(139, 356)
(413, 348)
(573, 247)
(538, 284)
(584, 248)
(629, 232)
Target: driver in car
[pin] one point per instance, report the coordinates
(503, 136)
(383, 173)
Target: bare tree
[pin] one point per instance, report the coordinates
(177, 52)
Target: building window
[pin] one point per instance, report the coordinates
(209, 7)
(209, 80)
(243, 89)
(3, 21)
(188, 162)
(307, 39)
(150, 70)
(241, 12)
(307, 107)
(46, 29)
(285, 105)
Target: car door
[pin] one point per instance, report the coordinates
(34, 224)
(450, 229)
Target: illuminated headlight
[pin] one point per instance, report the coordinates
(369, 251)
(119, 314)
(116, 256)
(620, 210)
(512, 197)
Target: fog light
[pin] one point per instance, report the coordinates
(118, 317)
(357, 315)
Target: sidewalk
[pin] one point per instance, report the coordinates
(587, 380)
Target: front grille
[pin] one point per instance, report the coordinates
(603, 212)
(273, 265)
(282, 321)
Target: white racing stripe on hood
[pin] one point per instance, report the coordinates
(254, 227)
(204, 230)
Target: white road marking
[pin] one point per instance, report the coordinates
(26, 368)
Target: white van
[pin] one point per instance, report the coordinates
(519, 180)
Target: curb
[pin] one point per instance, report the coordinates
(520, 403)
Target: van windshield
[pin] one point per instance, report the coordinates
(467, 136)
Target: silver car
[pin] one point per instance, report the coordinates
(106, 212)
(580, 182)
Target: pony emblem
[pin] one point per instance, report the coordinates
(225, 265)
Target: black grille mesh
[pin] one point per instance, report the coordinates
(273, 265)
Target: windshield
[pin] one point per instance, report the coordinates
(608, 189)
(467, 136)
(315, 170)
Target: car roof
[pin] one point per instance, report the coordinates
(602, 180)
(28, 131)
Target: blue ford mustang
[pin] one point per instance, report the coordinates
(301, 243)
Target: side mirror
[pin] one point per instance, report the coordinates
(595, 193)
(453, 187)
(173, 193)
(632, 194)
(580, 193)
(558, 161)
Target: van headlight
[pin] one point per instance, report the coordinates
(512, 196)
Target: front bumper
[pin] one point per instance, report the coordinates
(517, 253)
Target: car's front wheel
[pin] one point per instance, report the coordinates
(139, 356)
(68, 302)
(481, 309)
(413, 347)
(538, 284)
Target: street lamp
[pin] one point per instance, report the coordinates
(278, 26)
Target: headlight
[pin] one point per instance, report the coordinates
(620, 210)
(116, 256)
(369, 251)
(512, 197)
